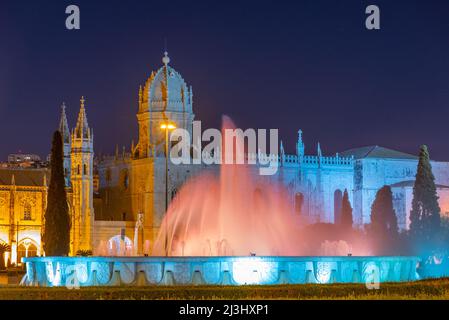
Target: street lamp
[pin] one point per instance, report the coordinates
(167, 127)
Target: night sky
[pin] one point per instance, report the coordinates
(268, 64)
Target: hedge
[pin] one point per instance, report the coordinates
(428, 289)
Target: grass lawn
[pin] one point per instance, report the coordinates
(427, 289)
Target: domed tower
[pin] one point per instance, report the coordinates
(165, 97)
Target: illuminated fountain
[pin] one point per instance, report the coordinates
(227, 230)
(229, 215)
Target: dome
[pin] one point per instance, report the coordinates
(166, 90)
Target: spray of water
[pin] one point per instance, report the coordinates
(230, 214)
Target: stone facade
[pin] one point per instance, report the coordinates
(23, 199)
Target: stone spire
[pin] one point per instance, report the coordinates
(282, 153)
(82, 127)
(66, 140)
(300, 145)
(63, 126)
(318, 150)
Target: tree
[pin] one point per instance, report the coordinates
(425, 213)
(346, 212)
(56, 235)
(384, 224)
(383, 217)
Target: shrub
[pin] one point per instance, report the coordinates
(84, 253)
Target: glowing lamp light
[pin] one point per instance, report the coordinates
(168, 126)
(252, 271)
(323, 272)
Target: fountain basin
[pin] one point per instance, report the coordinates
(254, 270)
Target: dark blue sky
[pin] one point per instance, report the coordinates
(267, 64)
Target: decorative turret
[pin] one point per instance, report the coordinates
(63, 126)
(140, 98)
(300, 145)
(282, 153)
(65, 134)
(82, 130)
(132, 148)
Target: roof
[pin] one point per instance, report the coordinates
(410, 183)
(377, 152)
(24, 177)
(166, 90)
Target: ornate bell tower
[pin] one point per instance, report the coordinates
(165, 97)
(82, 183)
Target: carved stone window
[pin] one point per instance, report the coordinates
(27, 212)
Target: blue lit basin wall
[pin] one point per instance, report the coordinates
(140, 271)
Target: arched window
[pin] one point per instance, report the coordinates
(26, 211)
(126, 181)
(299, 201)
(78, 169)
(338, 198)
(85, 169)
(26, 248)
(124, 178)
